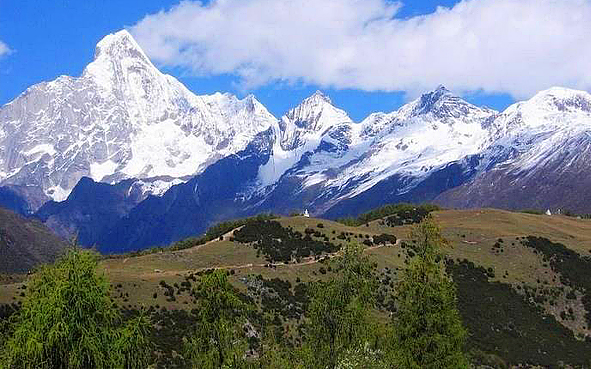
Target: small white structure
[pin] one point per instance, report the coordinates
(306, 214)
(548, 212)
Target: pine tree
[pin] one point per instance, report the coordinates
(218, 341)
(427, 327)
(68, 320)
(338, 312)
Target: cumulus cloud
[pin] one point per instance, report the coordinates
(512, 46)
(4, 49)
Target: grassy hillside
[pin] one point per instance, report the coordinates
(523, 279)
(25, 243)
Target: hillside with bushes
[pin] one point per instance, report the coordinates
(520, 281)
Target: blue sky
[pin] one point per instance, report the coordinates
(488, 66)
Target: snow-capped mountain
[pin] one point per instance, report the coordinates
(344, 159)
(135, 131)
(539, 156)
(122, 118)
(302, 130)
(437, 147)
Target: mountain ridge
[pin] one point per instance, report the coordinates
(125, 124)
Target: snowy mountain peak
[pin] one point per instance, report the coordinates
(560, 92)
(308, 121)
(121, 119)
(434, 100)
(315, 113)
(319, 97)
(442, 104)
(117, 59)
(119, 46)
(562, 99)
(551, 110)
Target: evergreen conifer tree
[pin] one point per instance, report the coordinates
(428, 331)
(68, 321)
(338, 312)
(218, 341)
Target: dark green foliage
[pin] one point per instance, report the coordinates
(532, 211)
(280, 244)
(218, 340)
(337, 314)
(503, 323)
(408, 215)
(428, 331)
(384, 238)
(6, 311)
(225, 227)
(277, 296)
(170, 328)
(215, 232)
(133, 344)
(69, 321)
(574, 269)
(397, 214)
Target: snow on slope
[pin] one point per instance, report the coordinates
(537, 130)
(121, 119)
(348, 158)
(539, 157)
(301, 130)
(436, 129)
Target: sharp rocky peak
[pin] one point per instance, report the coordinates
(442, 103)
(316, 113)
(117, 45)
(433, 99)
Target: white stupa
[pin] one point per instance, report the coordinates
(306, 214)
(548, 212)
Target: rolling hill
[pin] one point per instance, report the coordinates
(523, 279)
(25, 243)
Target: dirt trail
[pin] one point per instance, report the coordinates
(307, 261)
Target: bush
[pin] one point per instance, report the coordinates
(280, 244)
(397, 214)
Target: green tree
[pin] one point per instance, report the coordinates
(69, 321)
(133, 344)
(274, 353)
(427, 327)
(218, 341)
(338, 311)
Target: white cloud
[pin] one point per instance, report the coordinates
(514, 46)
(4, 49)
